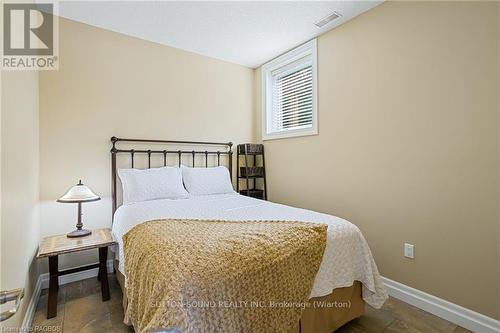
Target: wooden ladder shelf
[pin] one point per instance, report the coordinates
(251, 168)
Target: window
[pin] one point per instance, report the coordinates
(289, 94)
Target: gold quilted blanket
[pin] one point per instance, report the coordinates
(200, 276)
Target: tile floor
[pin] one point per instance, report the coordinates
(80, 309)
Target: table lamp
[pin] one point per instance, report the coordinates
(78, 194)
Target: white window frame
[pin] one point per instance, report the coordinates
(307, 49)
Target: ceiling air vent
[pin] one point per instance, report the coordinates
(328, 19)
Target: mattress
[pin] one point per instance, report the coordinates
(347, 257)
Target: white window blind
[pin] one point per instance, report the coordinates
(293, 99)
(289, 94)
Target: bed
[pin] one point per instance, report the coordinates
(347, 276)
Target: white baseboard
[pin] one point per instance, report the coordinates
(30, 311)
(456, 314)
(43, 283)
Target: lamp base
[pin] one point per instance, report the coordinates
(78, 233)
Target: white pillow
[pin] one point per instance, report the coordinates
(150, 184)
(203, 181)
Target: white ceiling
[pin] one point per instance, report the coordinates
(248, 33)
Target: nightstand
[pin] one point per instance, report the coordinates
(54, 246)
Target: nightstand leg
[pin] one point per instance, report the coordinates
(103, 272)
(53, 286)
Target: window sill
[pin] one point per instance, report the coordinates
(291, 134)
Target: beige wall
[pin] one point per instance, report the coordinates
(408, 144)
(20, 227)
(111, 84)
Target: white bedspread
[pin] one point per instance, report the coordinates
(347, 256)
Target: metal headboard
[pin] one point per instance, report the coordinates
(165, 152)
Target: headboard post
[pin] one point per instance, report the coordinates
(230, 163)
(131, 152)
(113, 174)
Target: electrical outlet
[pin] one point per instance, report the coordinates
(409, 251)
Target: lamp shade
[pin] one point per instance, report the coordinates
(79, 193)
